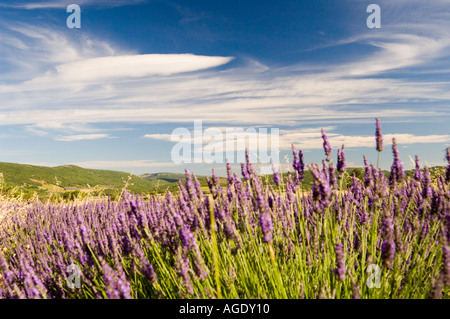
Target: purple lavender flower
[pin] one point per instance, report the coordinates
(301, 166)
(321, 187)
(388, 245)
(295, 164)
(250, 170)
(295, 160)
(149, 272)
(397, 172)
(417, 172)
(198, 187)
(398, 239)
(84, 234)
(276, 176)
(215, 178)
(200, 269)
(424, 229)
(117, 286)
(265, 221)
(298, 165)
(230, 192)
(356, 294)
(378, 136)
(145, 266)
(380, 182)
(229, 173)
(355, 190)
(340, 270)
(214, 184)
(291, 187)
(326, 146)
(332, 176)
(427, 191)
(388, 251)
(341, 163)
(368, 178)
(183, 191)
(187, 238)
(244, 172)
(190, 187)
(182, 265)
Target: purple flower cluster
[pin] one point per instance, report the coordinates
(341, 163)
(388, 246)
(378, 136)
(340, 270)
(397, 171)
(326, 145)
(322, 188)
(298, 165)
(276, 176)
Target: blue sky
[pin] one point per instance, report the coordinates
(110, 94)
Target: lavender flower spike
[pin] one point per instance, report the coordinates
(295, 164)
(229, 173)
(326, 146)
(266, 224)
(426, 184)
(397, 172)
(417, 172)
(298, 165)
(341, 163)
(340, 270)
(378, 136)
(388, 245)
(276, 175)
(301, 167)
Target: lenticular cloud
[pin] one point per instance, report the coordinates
(136, 66)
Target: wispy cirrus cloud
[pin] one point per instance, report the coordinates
(108, 69)
(83, 137)
(33, 5)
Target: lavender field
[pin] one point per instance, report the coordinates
(378, 237)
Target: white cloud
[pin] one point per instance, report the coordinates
(33, 51)
(82, 137)
(33, 5)
(112, 68)
(161, 137)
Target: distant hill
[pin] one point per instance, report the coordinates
(168, 177)
(70, 178)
